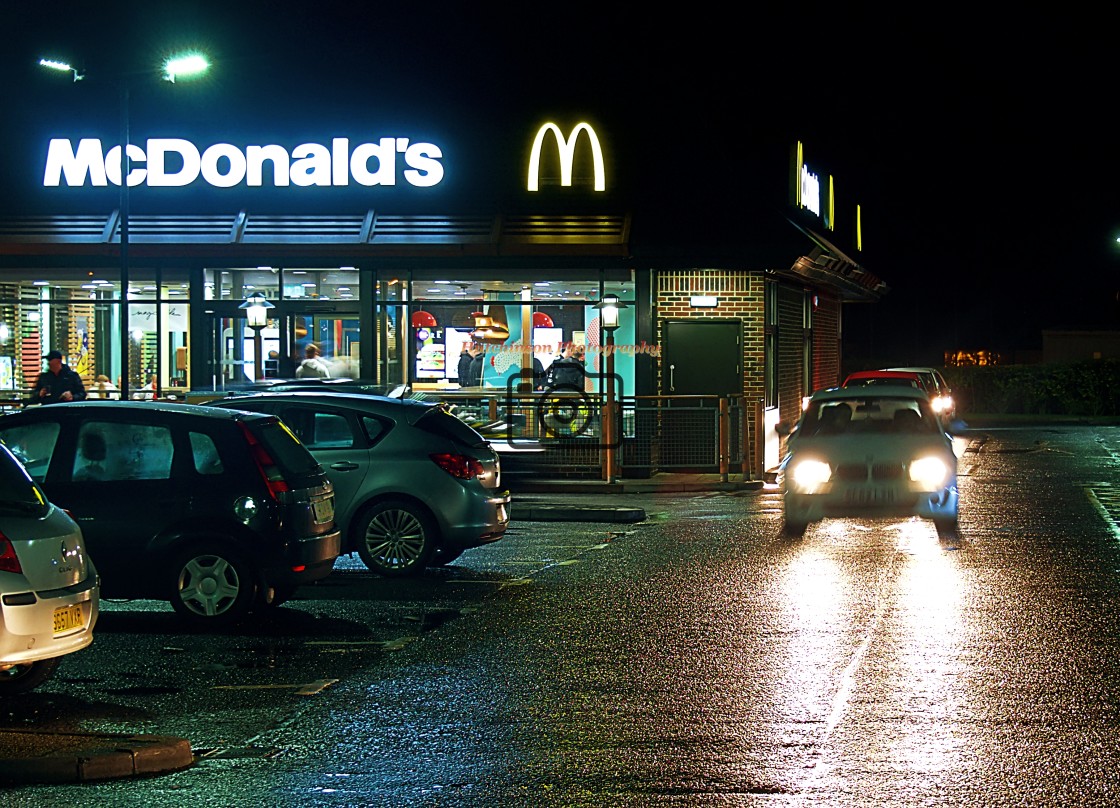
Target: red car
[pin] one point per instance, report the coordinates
(864, 378)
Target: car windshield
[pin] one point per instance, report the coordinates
(868, 415)
(439, 421)
(18, 494)
(292, 457)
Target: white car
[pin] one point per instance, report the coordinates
(875, 451)
(49, 588)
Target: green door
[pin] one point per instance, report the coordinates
(702, 358)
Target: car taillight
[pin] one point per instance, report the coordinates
(273, 478)
(457, 465)
(9, 561)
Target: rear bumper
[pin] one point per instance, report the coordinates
(307, 559)
(27, 630)
(485, 520)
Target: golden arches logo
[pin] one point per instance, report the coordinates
(567, 149)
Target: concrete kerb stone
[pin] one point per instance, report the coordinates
(576, 513)
(42, 756)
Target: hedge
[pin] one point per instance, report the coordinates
(1088, 388)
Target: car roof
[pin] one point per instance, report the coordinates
(928, 371)
(884, 374)
(396, 407)
(145, 406)
(876, 391)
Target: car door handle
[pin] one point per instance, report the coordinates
(345, 466)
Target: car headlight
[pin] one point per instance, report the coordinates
(810, 474)
(929, 472)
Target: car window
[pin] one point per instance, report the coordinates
(205, 454)
(319, 430)
(285, 449)
(869, 416)
(33, 445)
(111, 451)
(374, 428)
(17, 491)
(438, 421)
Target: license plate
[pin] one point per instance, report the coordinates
(67, 618)
(869, 495)
(323, 510)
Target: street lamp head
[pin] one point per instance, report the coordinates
(187, 65)
(64, 67)
(256, 308)
(608, 312)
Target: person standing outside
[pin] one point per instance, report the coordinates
(58, 383)
(313, 365)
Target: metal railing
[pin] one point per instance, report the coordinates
(561, 433)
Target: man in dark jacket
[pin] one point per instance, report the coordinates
(57, 383)
(568, 369)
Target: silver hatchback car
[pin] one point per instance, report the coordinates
(414, 485)
(49, 588)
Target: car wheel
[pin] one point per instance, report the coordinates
(26, 676)
(211, 584)
(396, 538)
(946, 528)
(794, 530)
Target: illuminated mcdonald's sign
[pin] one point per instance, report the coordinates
(567, 150)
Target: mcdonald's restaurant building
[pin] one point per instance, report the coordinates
(391, 249)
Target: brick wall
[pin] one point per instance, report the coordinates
(741, 296)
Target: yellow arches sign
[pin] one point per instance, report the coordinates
(567, 149)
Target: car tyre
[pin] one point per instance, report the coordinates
(396, 538)
(26, 676)
(794, 530)
(212, 585)
(946, 528)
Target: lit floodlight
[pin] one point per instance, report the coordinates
(186, 66)
(64, 67)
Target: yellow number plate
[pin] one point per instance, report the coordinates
(67, 618)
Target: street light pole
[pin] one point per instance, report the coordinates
(182, 66)
(126, 166)
(608, 322)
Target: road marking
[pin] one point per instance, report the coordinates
(1106, 500)
(309, 689)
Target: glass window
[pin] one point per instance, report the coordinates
(322, 430)
(119, 451)
(33, 446)
(205, 454)
(17, 492)
(320, 284)
(237, 284)
(374, 428)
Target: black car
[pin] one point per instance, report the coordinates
(216, 511)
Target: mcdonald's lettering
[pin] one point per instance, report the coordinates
(567, 150)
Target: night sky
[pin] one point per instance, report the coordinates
(982, 148)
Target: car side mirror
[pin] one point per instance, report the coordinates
(782, 428)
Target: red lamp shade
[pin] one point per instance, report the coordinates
(541, 320)
(423, 319)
